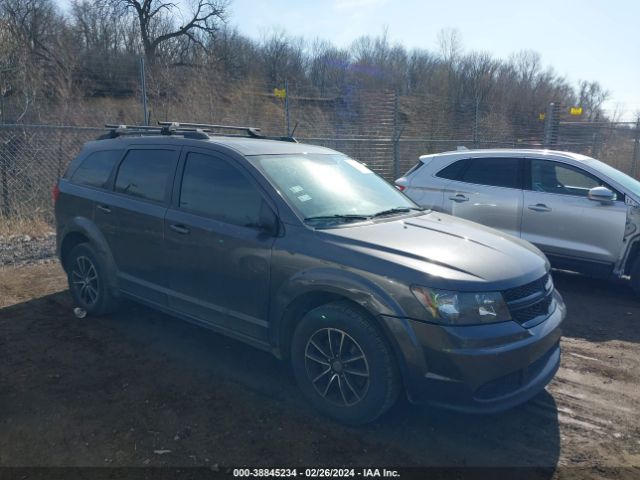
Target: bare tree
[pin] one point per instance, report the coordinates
(591, 96)
(157, 24)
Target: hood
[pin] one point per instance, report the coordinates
(450, 252)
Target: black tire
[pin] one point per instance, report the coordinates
(350, 397)
(87, 279)
(635, 276)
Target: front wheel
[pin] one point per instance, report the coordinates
(343, 364)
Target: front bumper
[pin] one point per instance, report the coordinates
(478, 369)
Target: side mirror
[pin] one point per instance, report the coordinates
(601, 194)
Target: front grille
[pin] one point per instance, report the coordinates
(524, 312)
(523, 315)
(525, 290)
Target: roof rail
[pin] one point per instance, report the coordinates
(250, 131)
(188, 130)
(172, 129)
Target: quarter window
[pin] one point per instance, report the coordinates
(213, 187)
(145, 173)
(94, 170)
(496, 172)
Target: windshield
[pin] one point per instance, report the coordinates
(628, 183)
(332, 187)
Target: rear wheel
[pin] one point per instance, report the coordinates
(343, 364)
(87, 281)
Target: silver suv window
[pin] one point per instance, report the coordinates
(494, 172)
(562, 179)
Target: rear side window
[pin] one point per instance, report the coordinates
(495, 172)
(95, 170)
(213, 187)
(145, 173)
(453, 171)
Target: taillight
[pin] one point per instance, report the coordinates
(401, 187)
(55, 192)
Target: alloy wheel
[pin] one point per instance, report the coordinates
(337, 366)
(84, 279)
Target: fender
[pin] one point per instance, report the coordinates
(86, 227)
(361, 290)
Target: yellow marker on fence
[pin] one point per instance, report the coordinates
(542, 116)
(577, 111)
(280, 92)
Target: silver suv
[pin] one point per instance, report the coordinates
(582, 213)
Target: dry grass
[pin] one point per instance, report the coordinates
(23, 225)
(25, 283)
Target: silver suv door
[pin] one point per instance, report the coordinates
(487, 190)
(560, 219)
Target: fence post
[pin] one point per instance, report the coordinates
(4, 166)
(551, 124)
(595, 139)
(143, 87)
(286, 108)
(396, 138)
(475, 124)
(636, 150)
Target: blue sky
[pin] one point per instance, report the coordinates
(580, 39)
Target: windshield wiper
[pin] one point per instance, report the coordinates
(344, 216)
(395, 210)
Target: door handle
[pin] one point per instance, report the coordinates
(539, 207)
(181, 229)
(459, 198)
(103, 208)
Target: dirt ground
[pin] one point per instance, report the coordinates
(139, 388)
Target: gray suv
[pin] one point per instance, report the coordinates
(306, 253)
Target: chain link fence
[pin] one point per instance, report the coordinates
(386, 131)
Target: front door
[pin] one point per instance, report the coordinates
(218, 256)
(560, 219)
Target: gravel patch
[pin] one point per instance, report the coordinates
(21, 250)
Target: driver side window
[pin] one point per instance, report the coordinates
(558, 178)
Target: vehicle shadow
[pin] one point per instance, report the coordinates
(527, 436)
(139, 368)
(598, 310)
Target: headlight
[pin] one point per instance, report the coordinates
(459, 308)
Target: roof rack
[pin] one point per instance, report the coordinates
(251, 131)
(171, 129)
(188, 130)
(213, 130)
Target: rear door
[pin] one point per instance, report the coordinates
(135, 211)
(560, 219)
(486, 190)
(217, 255)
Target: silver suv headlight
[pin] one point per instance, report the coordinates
(462, 308)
